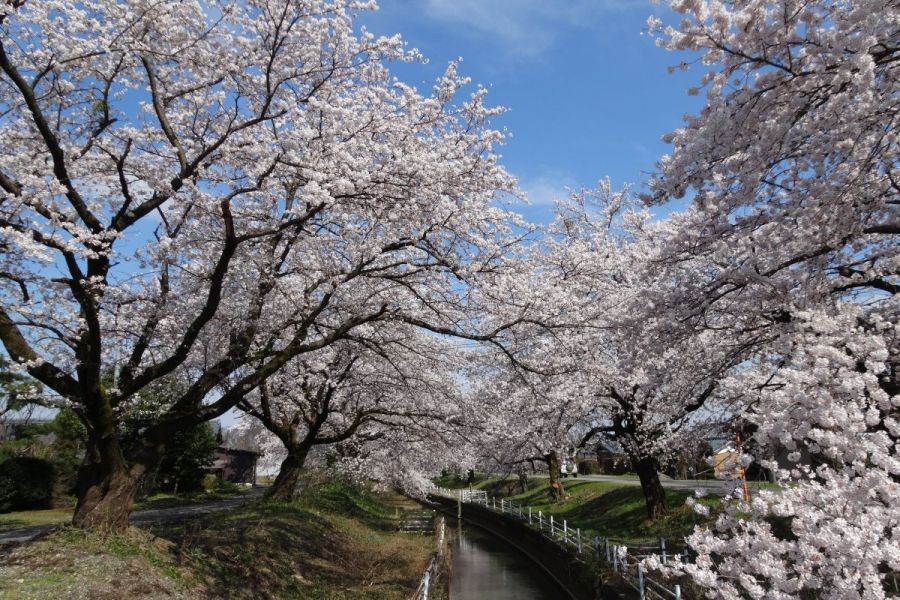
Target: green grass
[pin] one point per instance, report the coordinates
(60, 516)
(337, 542)
(607, 509)
(165, 500)
(339, 498)
(73, 563)
(28, 518)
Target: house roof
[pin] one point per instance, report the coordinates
(228, 450)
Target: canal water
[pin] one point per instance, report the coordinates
(487, 568)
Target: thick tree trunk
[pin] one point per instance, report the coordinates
(106, 487)
(285, 485)
(647, 469)
(556, 488)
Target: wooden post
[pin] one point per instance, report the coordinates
(529, 515)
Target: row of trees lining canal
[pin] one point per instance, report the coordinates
(212, 206)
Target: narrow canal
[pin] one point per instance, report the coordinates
(487, 568)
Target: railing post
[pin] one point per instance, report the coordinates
(529, 515)
(541, 520)
(615, 559)
(579, 540)
(597, 548)
(494, 502)
(662, 546)
(641, 580)
(677, 592)
(501, 504)
(425, 586)
(565, 532)
(606, 543)
(551, 525)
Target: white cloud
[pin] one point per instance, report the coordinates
(547, 189)
(524, 27)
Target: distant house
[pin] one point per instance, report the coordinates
(236, 466)
(610, 459)
(726, 463)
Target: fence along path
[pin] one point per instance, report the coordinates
(625, 561)
(433, 570)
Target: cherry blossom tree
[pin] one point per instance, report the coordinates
(793, 159)
(202, 192)
(526, 419)
(820, 402)
(647, 383)
(793, 168)
(354, 391)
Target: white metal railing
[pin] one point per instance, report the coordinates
(434, 566)
(474, 496)
(625, 561)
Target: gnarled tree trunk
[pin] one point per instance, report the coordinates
(106, 487)
(556, 488)
(647, 469)
(523, 481)
(285, 485)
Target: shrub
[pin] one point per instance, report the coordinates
(182, 468)
(589, 466)
(210, 482)
(26, 483)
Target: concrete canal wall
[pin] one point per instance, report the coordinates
(579, 579)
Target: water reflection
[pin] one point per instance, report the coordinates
(486, 568)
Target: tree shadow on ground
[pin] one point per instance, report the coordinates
(236, 553)
(614, 511)
(339, 545)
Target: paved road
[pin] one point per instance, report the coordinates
(142, 518)
(712, 486)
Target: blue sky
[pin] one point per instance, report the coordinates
(588, 90)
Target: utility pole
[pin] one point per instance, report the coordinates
(741, 469)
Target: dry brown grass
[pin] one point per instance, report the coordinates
(337, 543)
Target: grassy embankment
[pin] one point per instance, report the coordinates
(336, 542)
(599, 508)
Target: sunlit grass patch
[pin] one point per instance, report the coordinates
(336, 542)
(28, 518)
(607, 509)
(73, 563)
